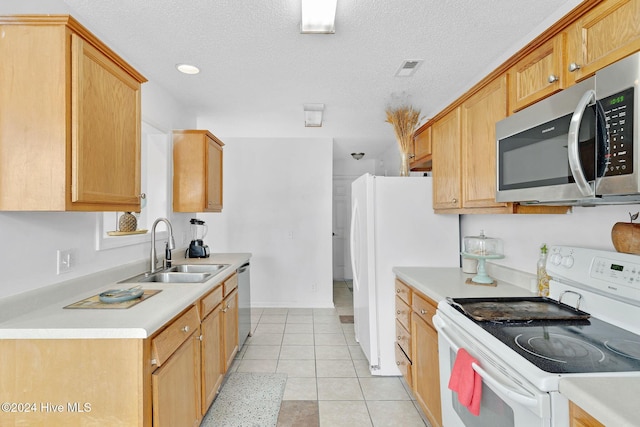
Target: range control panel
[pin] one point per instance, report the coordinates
(603, 271)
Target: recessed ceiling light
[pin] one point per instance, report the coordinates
(318, 16)
(408, 67)
(187, 68)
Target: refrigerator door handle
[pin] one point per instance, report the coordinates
(352, 244)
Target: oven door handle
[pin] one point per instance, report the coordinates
(507, 392)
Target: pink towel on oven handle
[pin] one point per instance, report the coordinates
(466, 382)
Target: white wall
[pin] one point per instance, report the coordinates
(30, 239)
(277, 205)
(524, 234)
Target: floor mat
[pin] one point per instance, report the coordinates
(247, 400)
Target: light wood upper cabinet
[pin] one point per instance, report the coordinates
(421, 160)
(446, 161)
(537, 75)
(71, 127)
(608, 32)
(479, 116)
(197, 171)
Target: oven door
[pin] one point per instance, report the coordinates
(508, 400)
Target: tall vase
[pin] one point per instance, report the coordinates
(404, 164)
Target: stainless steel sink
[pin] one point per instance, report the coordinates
(175, 277)
(198, 268)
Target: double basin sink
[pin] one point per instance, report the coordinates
(182, 273)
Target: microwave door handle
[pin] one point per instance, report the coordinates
(574, 153)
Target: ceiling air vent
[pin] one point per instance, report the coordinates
(408, 67)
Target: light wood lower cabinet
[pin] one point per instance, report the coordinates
(578, 417)
(417, 349)
(169, 379)
(426, 372)
(176, 387)
(230, 327)
(213, 367)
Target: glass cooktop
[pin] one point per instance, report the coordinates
(575, 346)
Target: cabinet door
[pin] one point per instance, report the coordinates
(176, 387)
(537, 75)
(212, 357)
(214, 176)
(580, 418)
(605, 34)
(479, 116)
(426, 374)
(446, 161)
(105, 140)
(421, 160)
(230, 327)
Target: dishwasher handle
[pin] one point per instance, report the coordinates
(244, 267)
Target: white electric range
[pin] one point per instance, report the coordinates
(593, 330)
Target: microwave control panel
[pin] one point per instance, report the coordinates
(618, 109)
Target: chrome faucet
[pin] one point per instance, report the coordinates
(171, 244)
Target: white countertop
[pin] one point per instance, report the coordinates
(611, 400)
(49, 320)
(439, 283)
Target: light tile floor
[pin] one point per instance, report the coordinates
(328, 380)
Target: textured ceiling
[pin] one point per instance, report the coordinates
(258, 70)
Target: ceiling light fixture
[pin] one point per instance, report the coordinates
(408, 67)
(313, 115)
(187, 68)
(357, 156)
(318, 16)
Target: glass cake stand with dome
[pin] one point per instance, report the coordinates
(482, 248)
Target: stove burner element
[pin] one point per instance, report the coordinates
(626, 348)
(559, 348)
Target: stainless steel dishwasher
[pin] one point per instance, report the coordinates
(244, 304)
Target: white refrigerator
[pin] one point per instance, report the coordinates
(392, 224)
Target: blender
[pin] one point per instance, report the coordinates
(197, 248)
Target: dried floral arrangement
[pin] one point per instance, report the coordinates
(404, 120)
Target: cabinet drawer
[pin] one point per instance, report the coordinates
(230, 284)
(209, 302)
(425, 308)
(404, 364)
(403, 313)
(403, 291)
(403, 337)
(168, 341)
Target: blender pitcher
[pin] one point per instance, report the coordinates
(197, 248)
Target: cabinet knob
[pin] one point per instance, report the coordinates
(185, 329)
(199, 337)
(224, 310)
(143, 196)
(574, 67)
(552, 78)
(399, 337)
(454, 200)
(397, 291)
(422, 311)
(398, 312)
(397, 363)
(154, 362)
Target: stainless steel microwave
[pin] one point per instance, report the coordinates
(577, 147)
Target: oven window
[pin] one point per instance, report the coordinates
(494, 412)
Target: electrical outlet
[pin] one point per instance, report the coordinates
(66, 260)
